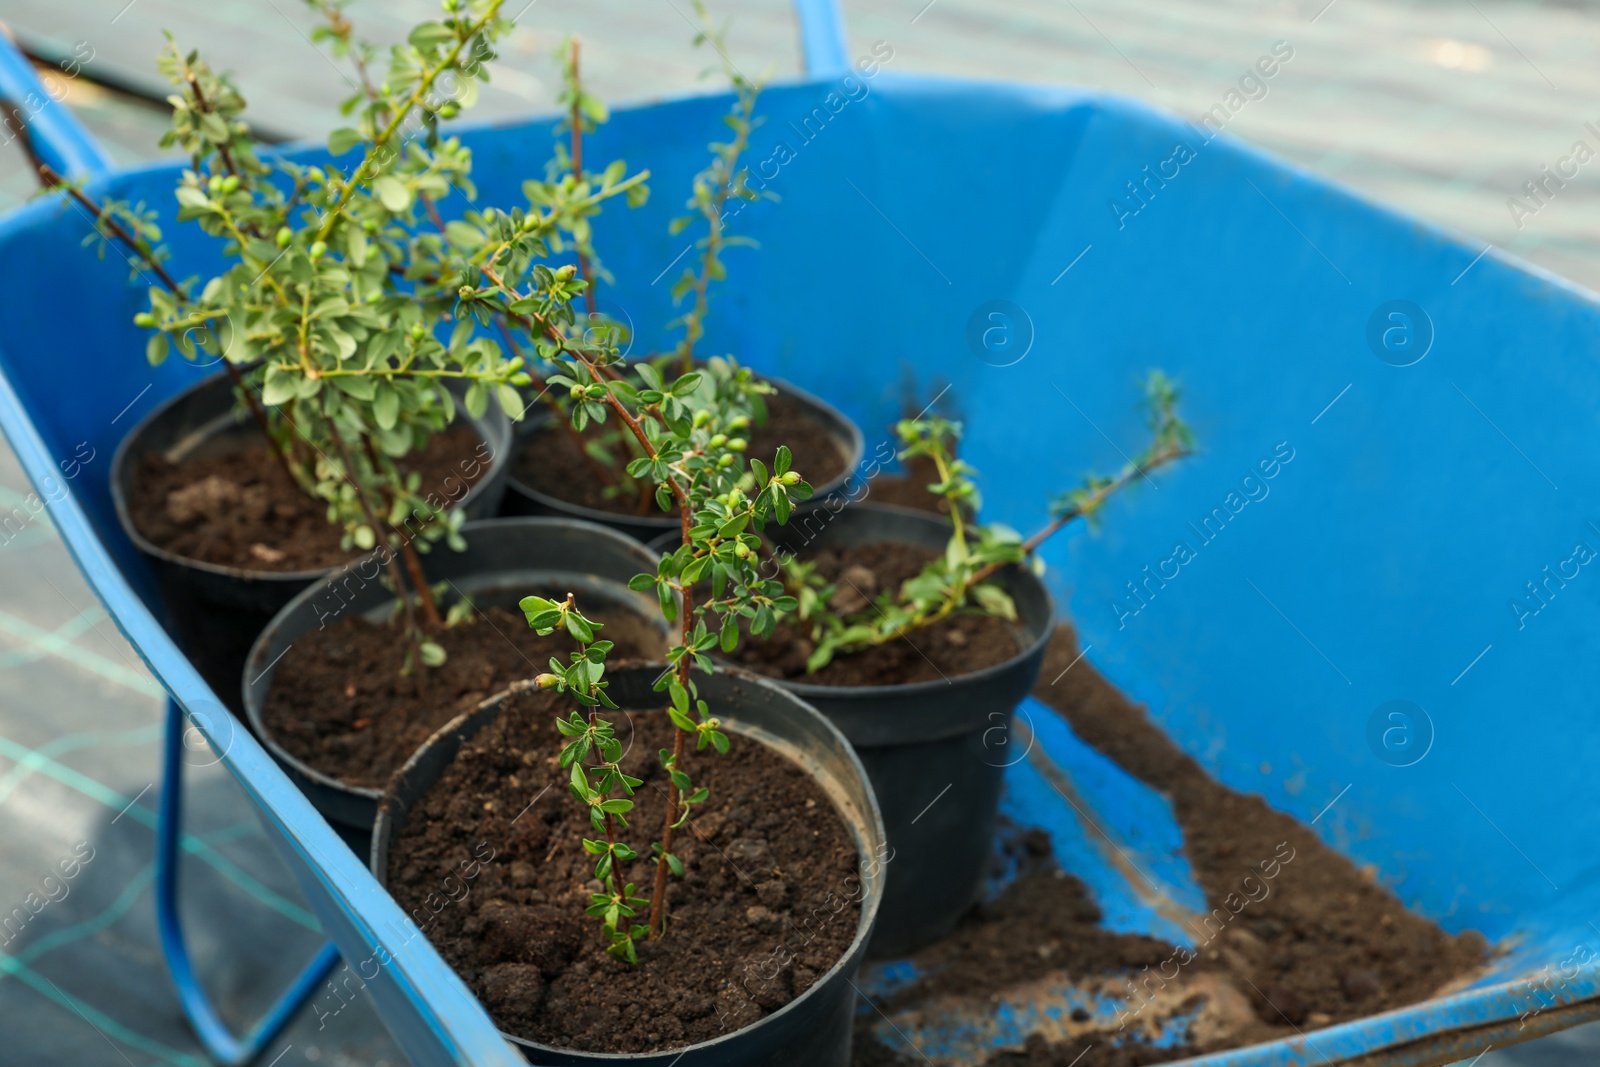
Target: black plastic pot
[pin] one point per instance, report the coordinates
(813, 1030)
(936, 751)
(523, 499)
(215, 612)
(505, 560)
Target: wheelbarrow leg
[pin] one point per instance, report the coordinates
(214, 1034)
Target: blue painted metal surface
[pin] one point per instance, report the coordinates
(58, 137)
(219, 1041)
(822, 38)
(1397, 551)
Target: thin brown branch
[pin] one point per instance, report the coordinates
(49, 179)
(433, 212)
(600, 470)
(549, 330)
(1129, 473)
(372, 518)
(658, 892)
(419, 580)
(205, 108)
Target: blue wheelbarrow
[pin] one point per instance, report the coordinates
(1398, 644)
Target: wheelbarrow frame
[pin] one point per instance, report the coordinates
(430, 1012)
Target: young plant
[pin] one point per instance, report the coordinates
(722, 178)
(958, 581)
(598, 783)
(339, 313)
(694, 457)
(611, 451)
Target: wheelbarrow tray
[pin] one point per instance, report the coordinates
(1380, 567)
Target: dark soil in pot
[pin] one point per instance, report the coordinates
(234, 506)
(1328, 945)
(551, 461)
(909, 488)
(339, 703)
(954, 646)
(767, 853)
(923, 711)
(231, 539)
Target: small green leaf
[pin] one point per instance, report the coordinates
(579, 627)
(510, 402)
(386, 407)
(392, 193)
(279, 387)
(426, 36)
(343, 139)
(189, 196)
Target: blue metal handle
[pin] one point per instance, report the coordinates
(822, 37)
(58, 137)
(208, 1025)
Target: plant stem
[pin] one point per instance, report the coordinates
(600, 470)
(940, 462)
(205, 108)
(372, 517)
(1133, 470)
(423, 85)
(49, 179)
(433, 211)
(611, 825)
(576, 122)
(419, 580)
(658, 892)
(595, 373)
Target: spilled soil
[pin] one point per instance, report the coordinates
(1324, 944)
(1298, 934)
(768, 904)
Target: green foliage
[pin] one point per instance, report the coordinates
(690, 432)
(591, 756)
(957, 580)
(723, 177)
(347, 311)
